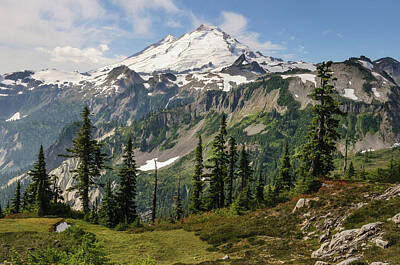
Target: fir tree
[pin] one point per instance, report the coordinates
(351, 173)
(197, 182)
(233, 157)
(91, 160)
(56, 190)
(317, 160)
(260, 190)
(154, 204)
(126, 196)
(107, 212)
(1, 212)
(16, 203)
(244, 201)
(244, 169)
(178, 209)
(7, 210)
(218, 161)
(284, 181)
(39, 191)
(25, 200)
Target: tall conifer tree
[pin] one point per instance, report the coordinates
(260, 190)
(244, 169)
(39, 191)
(108, 208)
(317, 160)
(216, 196)
(233, 157)
(126, 196)
(91, 160)
(284, 181)
(178, 202)
(16, 203)
(197, 182)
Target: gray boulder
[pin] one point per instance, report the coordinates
(379, 263)
(343, 244)
(395, 219)
(321, 263)
(347, 261)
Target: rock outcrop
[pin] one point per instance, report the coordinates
(345, 243)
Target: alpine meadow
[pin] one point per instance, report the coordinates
(252, 133)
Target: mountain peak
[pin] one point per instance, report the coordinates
(205, 27)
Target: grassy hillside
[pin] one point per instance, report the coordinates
(266, 236)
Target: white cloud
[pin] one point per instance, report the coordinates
(137, 12)
(75, 55)
(236, 24)
(174, 23)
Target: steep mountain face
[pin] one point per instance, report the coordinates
(390, 66)
(167, 94)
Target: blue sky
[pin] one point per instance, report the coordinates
(83, 35)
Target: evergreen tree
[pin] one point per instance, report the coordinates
(351, 173)
(260, 190)
(197, 181)
(154, 204)
(218, 161)
(91, 160)
(16, 203)
(1, 212)
(317, 160)
(284, 181)
(233, 157)
(244, 201)
(126, 196)
(56, 190)
(107, 212)
(39, 191)
(7, 210)
(244, 169)
(178, 209)
(25, 200)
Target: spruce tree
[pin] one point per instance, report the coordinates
(91, 160)
(244, 169)
(39, 191)
(154, 204)
(218, 161)
(107, 212)
(178, 209)
(7, 210)
(197, 182)
(1, 212)
(16, 203)
(284, 181)
(233, 157)
(260, 190)
(126, 196)
(317, 160)
(351, 173)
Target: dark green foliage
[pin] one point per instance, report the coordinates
(16, 203)
(108, 215)
(218, 161)
(126, 195)
(1, 212)
(317, 160)
(91, 160)
(197, 182)
(245, 200)
(351, 173)
(87, 251)
(39, 191)
(233, 157)
(260, 190)
(245, 171)
(284, 181)
(178, 210)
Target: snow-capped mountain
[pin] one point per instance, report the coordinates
(204, 49)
